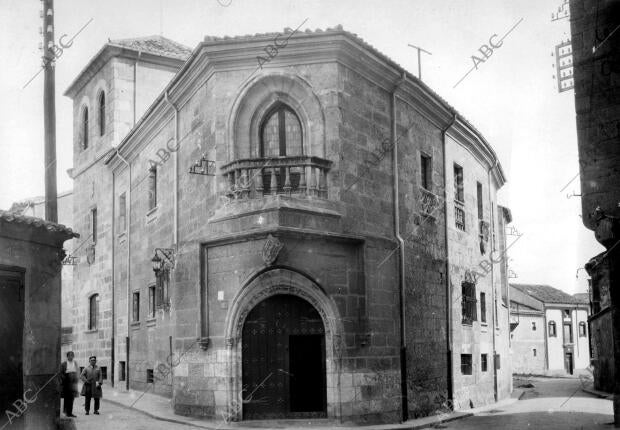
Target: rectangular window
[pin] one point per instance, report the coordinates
(149, 376)
(552, 329)
(122, 213)
(93, 224)
(466, 368)
(483, 307)
(426, 169)
(136, 306)
(484, 362)
(153, 187)
(568, 333)
(479, 198)
(534, 352)
(93, 311)
(459, 192)
(468, 302)
(121, 370)
(566, 313)
(152, 303)
(104, 372)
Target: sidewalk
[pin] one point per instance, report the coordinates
(589, 388)
(160, 408)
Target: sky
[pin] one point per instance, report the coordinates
(511, 96)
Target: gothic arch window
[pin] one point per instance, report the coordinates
(84, 128)
(101, 108)
(280, 133)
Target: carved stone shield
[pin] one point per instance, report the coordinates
(271, 249)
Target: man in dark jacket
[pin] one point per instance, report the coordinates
(69, 371)
(92, 379)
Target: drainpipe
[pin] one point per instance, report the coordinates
(401, 249)
(128, 267)
(135, 85)
(176, 168)
(112, 363)
(493, 292)
(448, 292)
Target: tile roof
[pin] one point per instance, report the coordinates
(582, 297)
(51, 227)
(157, 45)
(546, 293)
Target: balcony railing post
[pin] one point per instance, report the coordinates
(287, 180)
(274, 182)
(302, 180)
(312, 184)
(259, 182)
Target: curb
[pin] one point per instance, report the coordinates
(157, 417)
(402, 426)
(599, 394)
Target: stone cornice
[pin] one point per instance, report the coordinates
(341, 47)
(106, 53)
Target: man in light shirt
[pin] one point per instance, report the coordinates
(69, 382)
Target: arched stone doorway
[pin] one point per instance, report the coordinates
(283, 365)
(259, 287)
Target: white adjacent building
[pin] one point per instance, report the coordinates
(549, 330)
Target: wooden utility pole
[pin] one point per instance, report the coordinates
(49, 112)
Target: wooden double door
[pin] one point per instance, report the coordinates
(283, 360)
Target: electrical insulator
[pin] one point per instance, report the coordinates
(49, 12)
(50, 29)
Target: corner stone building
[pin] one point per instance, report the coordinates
(265, 194)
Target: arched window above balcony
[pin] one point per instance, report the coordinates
(280, 133)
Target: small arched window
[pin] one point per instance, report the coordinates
(84, 128)
(93, 311)
(552, 329)
(101, 106)
(582, 329)
(280, 133)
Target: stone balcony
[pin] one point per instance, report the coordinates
(274, 192)
(258, 177)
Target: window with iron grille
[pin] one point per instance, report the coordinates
(483, 307)
(459, 216)
(468, 291)
(479, 200)
(466, 364)
(484, 358)
(459, 192)
(149, 376)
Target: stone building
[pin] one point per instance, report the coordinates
(550, 334)
(282, 225)
(35, 207)
(30, 306)
(596, 59)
